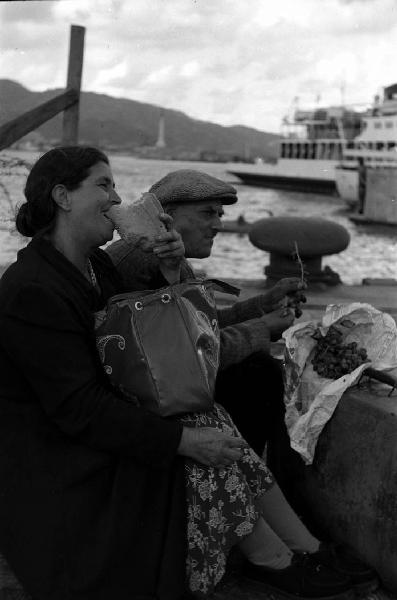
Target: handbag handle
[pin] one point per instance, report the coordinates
(222, 286)
(165, 294)
(165, 299)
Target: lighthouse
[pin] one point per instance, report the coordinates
(161, 137)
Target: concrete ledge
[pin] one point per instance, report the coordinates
(382, 297)
(351, 488)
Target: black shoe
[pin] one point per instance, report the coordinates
(304, 578)
(342, 559)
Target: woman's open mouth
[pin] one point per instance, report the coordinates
(108, 218)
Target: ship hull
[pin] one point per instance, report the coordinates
(301, 175)
(286, 182)
(347, 185)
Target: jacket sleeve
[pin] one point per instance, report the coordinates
(57, 359)
(138, 270)
(243, 311)
(239, 341)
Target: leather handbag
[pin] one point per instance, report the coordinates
(162, 347)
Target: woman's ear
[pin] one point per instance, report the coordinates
(61, 197)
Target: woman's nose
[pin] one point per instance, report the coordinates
(115, 198)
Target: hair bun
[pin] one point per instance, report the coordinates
(24, 222)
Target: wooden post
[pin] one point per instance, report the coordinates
(75, 68)
(13, 130)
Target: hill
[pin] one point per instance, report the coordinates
(127, 125)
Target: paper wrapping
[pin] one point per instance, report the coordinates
(310, 399)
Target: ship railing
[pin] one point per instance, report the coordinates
(371, 154)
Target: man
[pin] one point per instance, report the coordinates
(250, 382)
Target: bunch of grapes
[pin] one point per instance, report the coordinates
(295, 300)
(332, 358)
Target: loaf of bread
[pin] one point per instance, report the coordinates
(138, 222)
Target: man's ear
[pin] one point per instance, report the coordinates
(170, 210)
(61, 197)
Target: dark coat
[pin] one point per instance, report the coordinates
(92, 500)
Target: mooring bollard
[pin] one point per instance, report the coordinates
(311, 237)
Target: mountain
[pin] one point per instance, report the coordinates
(127, 125)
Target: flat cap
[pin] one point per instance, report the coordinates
(188, 185)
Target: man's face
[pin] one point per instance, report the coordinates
(198, 224)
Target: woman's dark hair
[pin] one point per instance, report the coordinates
(67, 165)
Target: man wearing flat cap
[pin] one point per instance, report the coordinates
(249, 382)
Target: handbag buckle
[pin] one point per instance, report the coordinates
(165, 298)
(138, 305)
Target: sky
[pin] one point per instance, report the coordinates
(232, 62)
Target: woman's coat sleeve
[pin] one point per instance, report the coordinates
(56, 356)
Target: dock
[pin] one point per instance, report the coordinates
(362, 220)
(239, 225)
(339, 449)
(381, 294)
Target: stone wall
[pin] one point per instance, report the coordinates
(351, 488)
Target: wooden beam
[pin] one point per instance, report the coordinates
(13, 130)
(75, 68)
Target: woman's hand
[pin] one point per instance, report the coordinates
(210, 446)
(170, 250)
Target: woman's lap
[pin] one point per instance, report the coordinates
(221, 508)
(221, 504)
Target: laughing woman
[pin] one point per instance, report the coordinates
(92, 489)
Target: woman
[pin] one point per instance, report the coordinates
(92, 503)
(92, 494)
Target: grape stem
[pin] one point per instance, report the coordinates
(298, 258)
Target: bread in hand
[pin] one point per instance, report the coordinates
(138, 222)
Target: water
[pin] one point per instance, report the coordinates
(371, 252)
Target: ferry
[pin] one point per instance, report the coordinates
(311, 146)
(375, 146)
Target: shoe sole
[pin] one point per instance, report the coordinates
(277, 593)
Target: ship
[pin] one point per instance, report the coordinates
(375, 146)
(311, 147)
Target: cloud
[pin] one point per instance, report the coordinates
(344, 15)
(34, 11)
(356, 1)
(225, 61)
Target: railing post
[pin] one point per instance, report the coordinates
(75, 67)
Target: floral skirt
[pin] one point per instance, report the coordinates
(221, 504)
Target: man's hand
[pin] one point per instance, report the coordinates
(170, 250)
(277, 295)
(210, 446)
(278, 321)
(286, 292)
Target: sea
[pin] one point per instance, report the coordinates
(372, 251)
